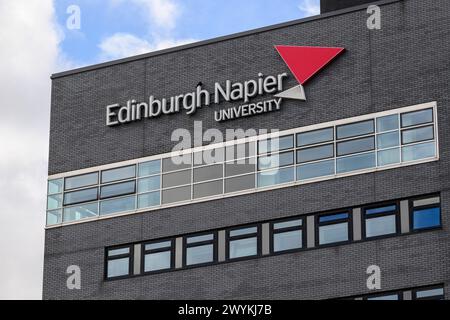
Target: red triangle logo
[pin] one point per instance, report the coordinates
(304, 62)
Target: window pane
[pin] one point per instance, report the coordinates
(240, 183)
(236, 168)
(416, 135)
(149, 184)
(146, 200)
(176, 178)
(54, 217)
(205, 237)
(158, 245)
(176, 194)
(419, 151)
(118, 252)
(177, 162)
(358, 162)
(157, 261)
(118, 189)
(287, 240)
(387, 123)
(387, 140)
(80, 196)
(426, 218)
(387, 297)
(315, 153)
(276, 160)
(278, 176)
(239, 232)
(80, 212)
(117, 205)
(208, 189)
(430, 293)
(417, 117)
(355, 146)
(426, 202)
(238, 151)
(199, 254)
(381, 209)
(118, 174)
(54, 201)
(208, 173)
(387, 157)
(333, 217)
(149, 168)
(118, 267)
(275, 144)
(55, 186)
(333, 233)
(313, 137)
(288, 224)
(209, 156)
(81, 181)
(314, 170)
(355, 129)
(243, 248)
(380, 226)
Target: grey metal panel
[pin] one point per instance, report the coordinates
(221, 245)
(407, 295)
(404, 216)
(310, 232)
(179, 252)
(137, 259)
(265, 235)
(357, 224)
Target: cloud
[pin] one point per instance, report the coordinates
(310, 7)
(29, 55)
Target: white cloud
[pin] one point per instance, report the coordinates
(29, 54)
(310, 7)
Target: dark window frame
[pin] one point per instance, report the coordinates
(297, 144)
(129, 255)
(116, 180)
(437, 286)
(269, 142)
(318, 224)
(365, 217)
(356, 152)
(337, 139)
(267, 155)
(144, 252)
(420, 124)
(399, 293)
(318, 159)
(64, 204)
(418, 141)
(273, 232)
(429, 206)
(118, 195)
(82, 187)
(229, 239)
(214, 242)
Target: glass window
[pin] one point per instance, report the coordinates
(118, 189)
(149, 168)
(117, 205)
(436, 293)
(158, 256)
(150, 199)
(207, 189)
(88, 210)
(118, 174)
(385, 297)
(176, 178)
(149, 184)
(276, 160)
(426, 213)
(314, 170)
(287, 235)
(380, 226)
(239, 151)
(355, 129)
(387, 123)
(54, 201)
(242, 242)
(357, 162)
(237, 168)
(275, 144)
(200, 249)
(55, 186)
(177, 162)
(240, 183)
(80, 196)
(81, 181)
(419, 151)
(313, 137)
(208, 173)
(355, 146)
(54, 217)
(277, 176)
(333, 228)
(387, 157)
(417, 117)
(118, 262)
(209, 156)
(315, 153)
(387, 140)
(176, 194)
(417, 135)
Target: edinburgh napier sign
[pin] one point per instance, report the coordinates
(303, 63)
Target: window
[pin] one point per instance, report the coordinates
(356, 162)
(80, 181)
(243, 242)
(315, 170)
(275, 144)
(419, 151)
(209, 156)
(83, 211)
(118, 174)
(333, 228)
(158, 256)
(208, 173)
(355, 129)
(150, 199)
(417, 117)
(149, 168)
(207, 189)
(355, 146)
(119, 262)
(380, 220)
(240, 183)
(426, 213)
(276, 160)
(314, 137)
(277, 176)
(200, 249)
(384, 297)
(287, 235)
(176, 194)
(387, 123)
(80, 196)
(118, 189)
(117, 205)
(315, 153)
(417, 135)
(430, 293)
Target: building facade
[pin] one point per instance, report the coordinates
(342, 168)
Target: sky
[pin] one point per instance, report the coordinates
(41, 37)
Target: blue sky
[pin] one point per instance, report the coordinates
(145, 25)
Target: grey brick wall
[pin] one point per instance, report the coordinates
(404, 63)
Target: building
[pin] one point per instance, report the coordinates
(356, 175)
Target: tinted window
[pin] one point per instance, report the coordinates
(387, 123)
(240, 151)
(275, 144)
(208, 173)
(149, 168)
(149, 184)
(387, 140)
(355, 146)
(426, 218)
(117, 205)
(118, 189)
(176, 178)
(314, 170)
(176, 194)
(148, 200)
(268, 178)
(80, 212)
(177, 163)
(358, 162)
(118, 174)
(209, 156)
(208, 189)
(417, 117)
(313, 137)
(240, 183)
(387, 157)
(355, 129)
(81, 181)
(233, 168)
(80, 196)
(416, 135)
(276, 160)
(315, 153)
(419, 151)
